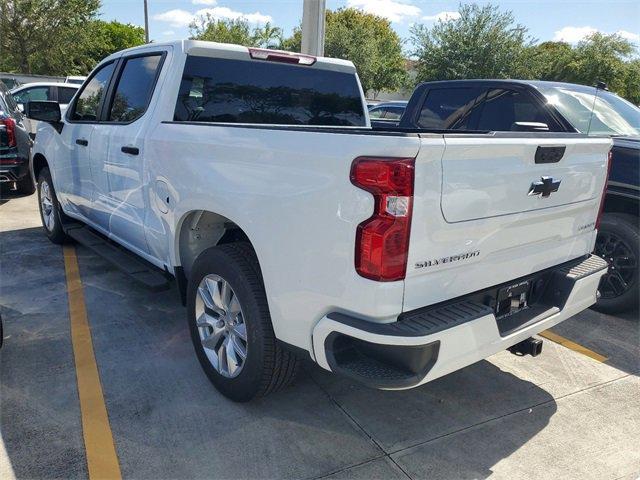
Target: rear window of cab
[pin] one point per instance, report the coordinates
(262, 92)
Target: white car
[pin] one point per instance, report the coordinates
(48, 91)
(294, 229)
(75, 79)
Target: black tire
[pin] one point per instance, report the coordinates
(618, 243)
(267, 367)
(25, 185)
(54, 231)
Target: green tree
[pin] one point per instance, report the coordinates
(237, 31)
(370, 43)
(602, 58)
(45, 36)
(550, 60)
(631, 90)
(109, 37)
(365, 39)
(483, 42)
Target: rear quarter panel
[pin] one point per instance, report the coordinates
(290, 192)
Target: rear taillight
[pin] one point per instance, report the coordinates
(281, 56)
(10, 131)
(382, 241)
(604, 189)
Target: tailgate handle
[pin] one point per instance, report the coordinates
(550, 154)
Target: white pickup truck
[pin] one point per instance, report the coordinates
(292, 227)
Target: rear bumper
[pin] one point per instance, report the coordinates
(13, 173)
(431, 342)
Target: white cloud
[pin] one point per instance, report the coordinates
(573, 34)
(175, 18)
(393, 10)
(204, 2)
(166, 33)
(442, 17)
(181, 18)
(632, 37)
(228, 14)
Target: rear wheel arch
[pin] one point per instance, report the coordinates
(199, 230)
(39, 162)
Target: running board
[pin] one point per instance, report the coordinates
(141, 271)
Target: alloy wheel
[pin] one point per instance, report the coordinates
(622, 262)
(46, 206)
(221, 325)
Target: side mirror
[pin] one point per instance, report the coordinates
(529, 127)
(44, 111)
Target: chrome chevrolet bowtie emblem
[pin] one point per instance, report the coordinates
(545, 187)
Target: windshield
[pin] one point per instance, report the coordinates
(611, 114)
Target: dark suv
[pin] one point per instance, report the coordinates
(537, 106)
(15, 145)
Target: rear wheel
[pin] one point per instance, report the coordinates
(231, 327)
(50, 212)
(618, 244)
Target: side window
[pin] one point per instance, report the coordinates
(376, 113)
(448, 108)
(65, 94)
(32, 94)
(394, 113)
(134, 88)
(502, 108)
(87, 103)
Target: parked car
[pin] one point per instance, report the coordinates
(15, 145)
(75, 79)
(387, 111)
(10, 82)
(515, 105)
(294, 229)
(57, 92)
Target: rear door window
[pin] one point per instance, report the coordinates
(449, 108)
(65, 94)
(33, 94)
(503, 108)
(259, 92)
(87, 103)
(134, 88)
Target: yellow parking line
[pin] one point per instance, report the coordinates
(102, 459)
(565, 342)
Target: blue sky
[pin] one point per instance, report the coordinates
(567, 20)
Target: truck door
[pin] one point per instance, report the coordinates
(120, 198)
(74, 178)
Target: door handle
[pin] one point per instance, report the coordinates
(130, 150)
(82, 141)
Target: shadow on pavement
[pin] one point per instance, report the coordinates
(169, 422)
(615, 337)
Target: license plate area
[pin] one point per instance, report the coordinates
(512, 299)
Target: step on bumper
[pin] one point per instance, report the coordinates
(431, 342)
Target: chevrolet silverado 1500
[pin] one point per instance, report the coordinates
(293, 228)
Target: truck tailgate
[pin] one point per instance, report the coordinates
(476, 221)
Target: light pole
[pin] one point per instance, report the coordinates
(313, 27)
(146, 23)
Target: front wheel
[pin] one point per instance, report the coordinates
(50, 212)
(231, 326)
(618, 244)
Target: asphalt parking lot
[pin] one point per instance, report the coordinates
(569, 413)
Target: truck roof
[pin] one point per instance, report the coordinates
(227, 50)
